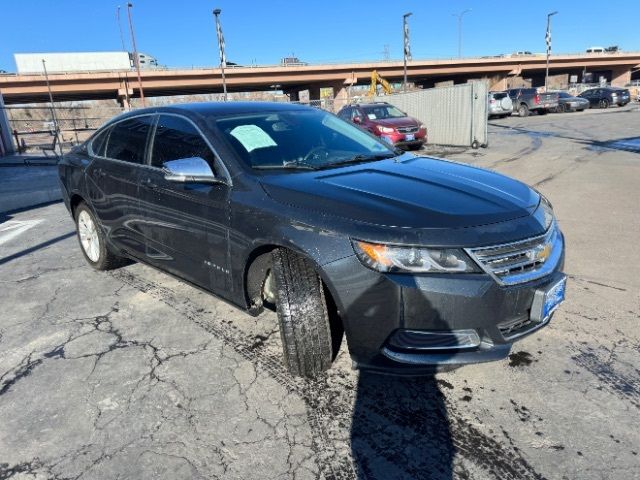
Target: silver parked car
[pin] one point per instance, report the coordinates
(500, 104)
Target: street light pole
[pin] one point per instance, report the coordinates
(223, 59)
(135, 54)
(460, 15)
(548, 40)
(56, 126)
(407, 47)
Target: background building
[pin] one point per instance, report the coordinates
(28, 63)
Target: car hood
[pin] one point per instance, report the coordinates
(397, 122)
(408, 192)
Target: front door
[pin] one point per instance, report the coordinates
(117, 160)
(186, 224)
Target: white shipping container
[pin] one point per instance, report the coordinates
(72, 62)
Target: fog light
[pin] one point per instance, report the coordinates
(425, 340)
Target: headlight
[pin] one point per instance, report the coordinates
(547, 209)
(393, 258)
(382, 129)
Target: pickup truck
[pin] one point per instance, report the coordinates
(526, 100)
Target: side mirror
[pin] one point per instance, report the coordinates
(357, 119)
(189, 170)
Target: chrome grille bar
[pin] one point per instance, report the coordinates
(521, 261)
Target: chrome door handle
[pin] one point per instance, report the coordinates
(148, 183)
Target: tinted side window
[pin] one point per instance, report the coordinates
(128, 139)
(177, 138)
(99, 141)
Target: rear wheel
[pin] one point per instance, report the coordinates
(523, 110)
(604, 103)
(567, 107)
(92, 241)
(303, 314)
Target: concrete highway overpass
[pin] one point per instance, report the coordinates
(619, 68)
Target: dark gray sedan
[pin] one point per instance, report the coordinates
(569, 103)
(419, 261)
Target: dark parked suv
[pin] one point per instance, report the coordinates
(387, 122)
(420, 261)
(604, 97)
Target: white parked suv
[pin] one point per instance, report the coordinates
(500, 104)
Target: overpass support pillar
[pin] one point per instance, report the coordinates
(124, 97)
(6, 142)
(497, 82)
(620, 77)
(340, 96)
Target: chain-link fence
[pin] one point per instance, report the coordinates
(34, 127)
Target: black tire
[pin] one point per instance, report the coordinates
(604, 103)
(567, 108)
(523, 110)
(303, 315)
(107, 260)
(475, 144)
(543, 111)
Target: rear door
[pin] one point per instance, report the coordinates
(186, 224)
(118, 156)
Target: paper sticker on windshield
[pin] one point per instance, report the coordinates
(252, 137)
(372, 116)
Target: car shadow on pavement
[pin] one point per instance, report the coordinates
(39, 246)
(400, 429)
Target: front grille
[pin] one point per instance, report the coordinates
(521, 261)
(407, 129)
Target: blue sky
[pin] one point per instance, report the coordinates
(181, 33)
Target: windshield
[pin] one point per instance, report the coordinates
(564, 95)
(300, 139)
(377, 112)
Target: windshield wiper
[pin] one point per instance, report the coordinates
(285, 166)
(360, 159)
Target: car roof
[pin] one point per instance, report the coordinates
(218, 109)
(368, 104)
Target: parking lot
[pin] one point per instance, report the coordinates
(133, 374)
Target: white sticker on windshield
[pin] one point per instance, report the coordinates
(372, 116)
(252, 137)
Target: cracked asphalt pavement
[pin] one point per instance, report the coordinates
(133, 374)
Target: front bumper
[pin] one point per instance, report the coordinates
(375, 307)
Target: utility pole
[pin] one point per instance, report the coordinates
(548, 40)
(124, 49)
(460, 15)
(407, 47)
(136, 58)
(223, 59)
(56, 127)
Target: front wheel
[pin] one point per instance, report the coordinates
(303, 315)
(92, 241)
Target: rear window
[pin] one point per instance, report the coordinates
(378, 112)
(499, 95)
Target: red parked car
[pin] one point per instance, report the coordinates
(387, 122)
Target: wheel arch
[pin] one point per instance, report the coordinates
(256, 268)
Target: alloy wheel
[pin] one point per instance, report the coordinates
(89, 236)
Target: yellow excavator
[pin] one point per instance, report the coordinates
(375, 79)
